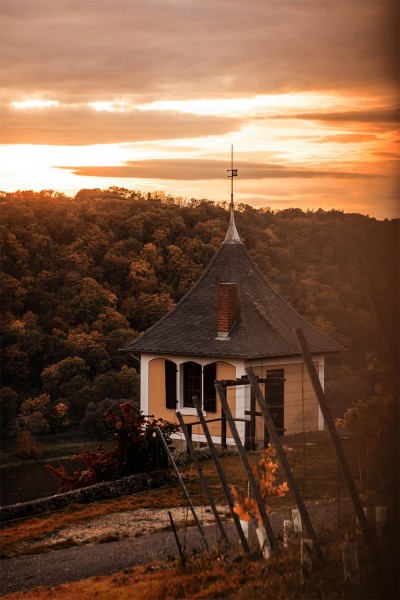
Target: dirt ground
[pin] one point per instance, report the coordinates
(121, 540)
(117, 526)
(103, 538)
(311, 458)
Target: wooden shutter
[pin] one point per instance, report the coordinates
(210, 394)
(170, 384)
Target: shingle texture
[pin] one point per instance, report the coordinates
(264, 327)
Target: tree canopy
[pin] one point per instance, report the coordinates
(80, 276)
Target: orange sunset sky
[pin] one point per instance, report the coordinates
(150, 95)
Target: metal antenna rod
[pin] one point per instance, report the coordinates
(233, 173)
(232, 176)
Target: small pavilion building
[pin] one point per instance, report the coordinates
(229, 320)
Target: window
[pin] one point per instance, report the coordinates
(170, 384)
(275, 397)
(191, 383)
(194, 381)
(210, 394)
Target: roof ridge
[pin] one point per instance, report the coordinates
(264, 278)
(181, 301)
(264, 315)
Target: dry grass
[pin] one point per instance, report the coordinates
(312, 459)
(34, 529)
(218, 574)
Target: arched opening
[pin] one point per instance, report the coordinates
(191, 383)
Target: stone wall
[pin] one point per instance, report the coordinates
(101, 491)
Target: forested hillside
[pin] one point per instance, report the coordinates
(81, 276)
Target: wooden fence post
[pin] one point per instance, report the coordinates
(201, 475)
(223, 430)
(168, 451)
(243, 457)
(350, 562)
(306, 354)
(221, 475)
(269, 422)
(189, 436)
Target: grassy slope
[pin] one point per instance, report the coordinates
(316, 471)
(219, 574)
(312, 459)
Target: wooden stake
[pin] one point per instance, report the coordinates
(297, 525)
(305, 352)
(245, 527)
(176, 537)
(201, 475)
(350, 562)
(287, 530)
(243, 457)
(307, 561)
(221, 474)
(269, 422)
(263, 541)
(168, 451)
(380, 520)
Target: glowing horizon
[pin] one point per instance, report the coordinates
(310, 127)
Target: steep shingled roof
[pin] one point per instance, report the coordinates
(265, 323)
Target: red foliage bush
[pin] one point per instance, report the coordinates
(137, 449)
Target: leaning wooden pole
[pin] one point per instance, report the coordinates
(168, 451)
(246, 465)
(203, 480)
(306, 354)
(268, 420)
(221, 475)
(176, 537)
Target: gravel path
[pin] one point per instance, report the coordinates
(72, 564)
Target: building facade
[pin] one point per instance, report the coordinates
(229, 320)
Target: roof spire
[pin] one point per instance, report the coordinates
(232, 236)
(233, 173)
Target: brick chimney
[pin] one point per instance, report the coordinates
(227, 308)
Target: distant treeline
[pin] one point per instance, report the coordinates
(81, 276)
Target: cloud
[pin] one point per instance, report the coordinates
(391, 155)
(383, 115)
(132, 52)
(168, 48)
(345, 138)
(205, 169)
(84, 126)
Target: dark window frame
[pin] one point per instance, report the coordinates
(192, 382)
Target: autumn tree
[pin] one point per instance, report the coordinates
(80, 276)
(40, 415)
(66, 381)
